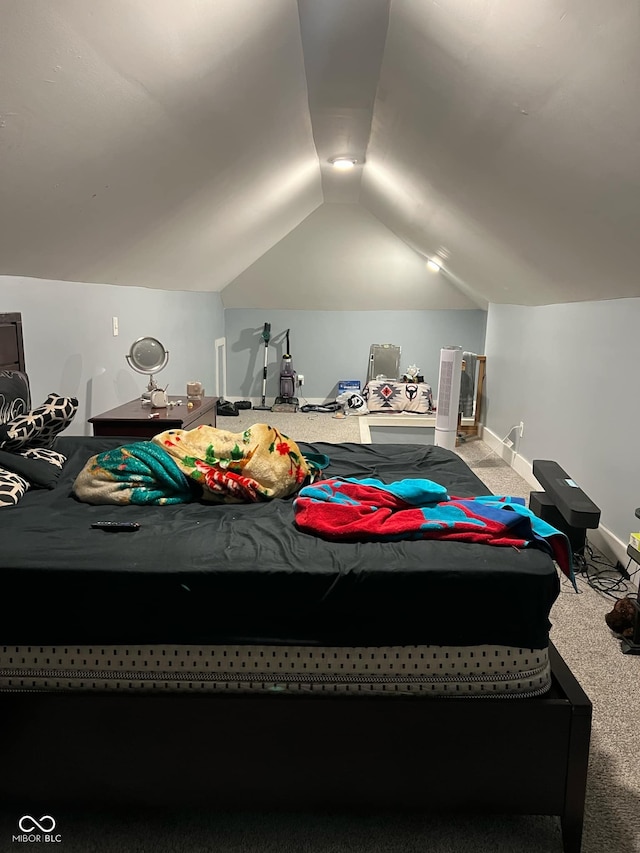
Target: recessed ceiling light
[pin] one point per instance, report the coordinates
(434, 266)
(343, 163)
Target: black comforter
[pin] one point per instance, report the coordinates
(199, 573)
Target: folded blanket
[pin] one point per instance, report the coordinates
(257, 464)
(138, 473)
(351, 509)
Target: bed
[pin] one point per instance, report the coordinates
(220, 656)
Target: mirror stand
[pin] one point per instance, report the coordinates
(148, 356)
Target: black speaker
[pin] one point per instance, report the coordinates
(541, 505)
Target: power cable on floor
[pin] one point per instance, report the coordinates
(595, 570)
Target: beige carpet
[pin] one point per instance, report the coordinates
(611, 679)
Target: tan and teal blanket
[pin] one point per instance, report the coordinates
(178, 466)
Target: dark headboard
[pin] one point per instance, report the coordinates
(11, 345)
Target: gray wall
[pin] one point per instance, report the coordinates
(571, 373)
(328, 346)
(341, 258)
(70, 348)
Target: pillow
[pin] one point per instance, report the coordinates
(36, 466)
(40, 426)
(353, 403)
(53, 457)
(12, 488)
(14, 394)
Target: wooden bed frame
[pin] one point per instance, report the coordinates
(269, 752)
(254, 751)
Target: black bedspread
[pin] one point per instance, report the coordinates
(199, 573)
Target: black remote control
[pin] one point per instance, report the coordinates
(116, 525)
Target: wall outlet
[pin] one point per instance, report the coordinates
(114, 326)
(521, 428)
(301, 379)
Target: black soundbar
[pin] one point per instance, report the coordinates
(577, 509)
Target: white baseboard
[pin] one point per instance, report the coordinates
(602, 538)
(609, 544)
(510, 455)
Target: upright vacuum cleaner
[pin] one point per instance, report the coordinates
(287, 401)
(266, 335)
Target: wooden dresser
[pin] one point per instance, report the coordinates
(132, 419)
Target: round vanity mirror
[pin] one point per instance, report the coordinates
(147, 355)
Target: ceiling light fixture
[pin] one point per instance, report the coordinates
(433, 265)
(343, 164)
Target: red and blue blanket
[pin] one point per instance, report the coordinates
(368, 509)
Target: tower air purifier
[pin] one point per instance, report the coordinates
(448, 397)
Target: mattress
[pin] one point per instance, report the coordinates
(245, 575)
(432, 671)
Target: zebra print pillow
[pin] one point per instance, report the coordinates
(39, 427)
(12, 488)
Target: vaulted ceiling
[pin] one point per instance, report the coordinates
(180, 144)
